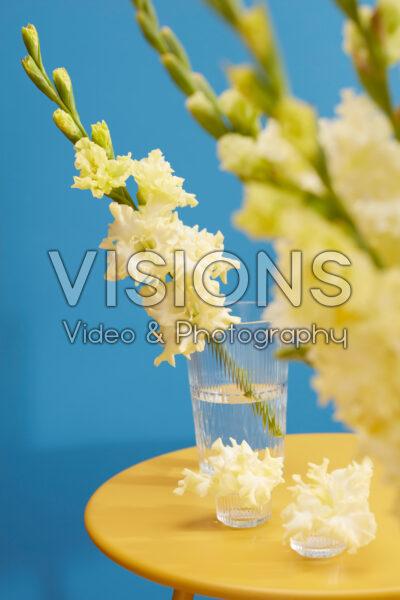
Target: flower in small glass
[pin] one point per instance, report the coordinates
(237, 469)
(333, 505)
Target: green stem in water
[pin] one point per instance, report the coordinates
(242, 379)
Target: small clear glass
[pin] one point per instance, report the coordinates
(233, 512)
(243, 399)
(317, 546)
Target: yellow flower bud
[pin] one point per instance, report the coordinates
(63, 85)
(179, 73)
(35, 74)
(228, 9)
(242, 114)
(298, 122)
(389, 15)
(175, 46)
(206, 114)
(67, 125)
(101, 136)
(256, 29)
(202, 84)
(239, 154)
(150, 32)
(31, 41)
(247, 83)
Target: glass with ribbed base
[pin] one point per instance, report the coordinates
(234, 512)
(317, 546)
(243, 397)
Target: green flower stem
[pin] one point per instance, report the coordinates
(254, 27)
(242, 379)
(273, 86)
(203, 107)
(35, 70)
(122, 196)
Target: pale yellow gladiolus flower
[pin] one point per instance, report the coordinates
(333, 505)
(97, 172)
(237, 469)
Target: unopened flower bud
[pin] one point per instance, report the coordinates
(242, 114)
(298, 122)
(239, 154)
(101, 136)
(147, 8)
(388, 13)
(202, 84)
(256, 29)
(63, 85)
(31, 41)
(247, 83)
(36, 75)
(67, 125)
(206, 114)
(228, 9)
(175, 46)
(179, 74)
(150, 32)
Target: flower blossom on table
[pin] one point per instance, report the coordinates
(99, 173)
(333, 505)
(237, 469)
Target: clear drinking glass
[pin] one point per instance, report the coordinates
(239, 389)
(234, 512)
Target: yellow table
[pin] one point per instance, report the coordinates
(137, 522)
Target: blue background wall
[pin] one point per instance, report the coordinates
(71, 416)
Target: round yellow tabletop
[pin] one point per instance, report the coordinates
(136, 520)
